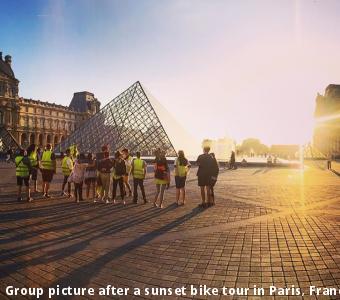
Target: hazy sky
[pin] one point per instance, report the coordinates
(222, 68)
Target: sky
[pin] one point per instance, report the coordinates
(228, 68)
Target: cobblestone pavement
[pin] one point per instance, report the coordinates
(269, 227)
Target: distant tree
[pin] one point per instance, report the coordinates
(252, 145)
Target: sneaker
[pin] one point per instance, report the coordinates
(19, 199)
(107, 201)
(124, 203)
(155, 204)
(30, 199)
(161, 206)
(47, 195)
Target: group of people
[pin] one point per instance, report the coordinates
(104, 175)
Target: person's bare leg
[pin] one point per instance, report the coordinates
(43, 187)
(47, 187)
(203, 195)
(157, 194)
(28, 193)
(183, 195)
(178, 191)
(162, 192)
(35, 186)
(19, 191)
(208, 194)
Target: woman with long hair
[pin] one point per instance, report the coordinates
(182, 167)
(162, 177)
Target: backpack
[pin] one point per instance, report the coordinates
(120, 168)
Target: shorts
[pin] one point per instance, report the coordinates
(180, 182)
(47, 175)
(204, 180)
(20, 180)
(34, 173)
(90, 180)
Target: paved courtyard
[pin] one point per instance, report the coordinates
(270, 227)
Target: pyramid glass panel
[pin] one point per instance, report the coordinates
(129, 120)
(7, 140)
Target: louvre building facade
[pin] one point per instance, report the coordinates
(33, 121)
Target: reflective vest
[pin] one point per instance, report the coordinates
(180, 171)
(138, 170)
(46, 161)
(33, 158)
(64, 166)
(21, 169)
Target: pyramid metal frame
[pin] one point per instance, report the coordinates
(7, 140)
(127, 121)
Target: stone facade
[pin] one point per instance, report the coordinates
(40, 122)
(327, 115)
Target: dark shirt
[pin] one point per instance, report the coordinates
(207, 165)
(105, 165)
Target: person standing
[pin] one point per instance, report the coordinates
(232, 165)
(329, 162)
(215, 172)
(33, 156)
(162, 177)
(205, 170)
(23, 165)
(119, 170)
(138, 171)
(91, 176)
(48, 169)
(128, 161)
(182, 167)
(66, 167)
(78, 177)
(104, 167)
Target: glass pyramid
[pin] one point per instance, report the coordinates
(127, 121)
(7, 140)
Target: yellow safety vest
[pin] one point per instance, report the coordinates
(64, 166)
(21, 169)
(138, 170)
(180, 171)
(46, 161)
(33, 158)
